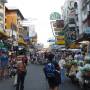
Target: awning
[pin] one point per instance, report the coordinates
(3, 35)
(74, 45)
(22, 42)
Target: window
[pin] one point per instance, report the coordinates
(71, 20)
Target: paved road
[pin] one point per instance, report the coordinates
(35, 80)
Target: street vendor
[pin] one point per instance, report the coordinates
(83, 70)
(73, 70)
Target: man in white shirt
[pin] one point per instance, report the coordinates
(61, 64)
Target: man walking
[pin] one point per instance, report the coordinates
(52, 73)
(21, 73)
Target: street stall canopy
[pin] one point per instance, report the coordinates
(22, 42)
(3, 35)
(75, 50)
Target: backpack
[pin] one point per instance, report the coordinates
(50, 70)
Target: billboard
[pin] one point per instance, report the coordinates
(11, 21)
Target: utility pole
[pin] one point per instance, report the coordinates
(12, 33)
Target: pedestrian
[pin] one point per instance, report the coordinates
(52, 73)
(61, 64)
(21, 73)
(4, 64)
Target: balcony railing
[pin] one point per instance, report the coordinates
(72, 25)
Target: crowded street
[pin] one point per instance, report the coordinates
(44, 44)
(35, 80)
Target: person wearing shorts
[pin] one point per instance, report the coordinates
(4, 64)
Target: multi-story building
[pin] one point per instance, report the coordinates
(85, 19)
(13, 25)
(2, 18)
(33, 34)
(84, 16)
(71, 22)
(3, 34)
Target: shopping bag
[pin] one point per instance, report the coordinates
(15, 80)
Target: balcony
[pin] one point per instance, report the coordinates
(88, 7)
(71, 25)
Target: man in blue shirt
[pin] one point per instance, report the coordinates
(4, 64)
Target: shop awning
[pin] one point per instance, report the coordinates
(3, 35)
(74, 45)
(22, 42)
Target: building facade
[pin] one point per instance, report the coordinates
(13, 25)
(71, 22)
(84, 19)
(2, 17)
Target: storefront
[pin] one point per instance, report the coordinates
(84, 39)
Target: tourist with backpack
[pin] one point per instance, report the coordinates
(52, 73)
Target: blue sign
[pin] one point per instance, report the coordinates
(51, 40)
(27, 38)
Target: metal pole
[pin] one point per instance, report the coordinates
(12, 32)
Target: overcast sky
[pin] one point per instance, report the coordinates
(40, 10)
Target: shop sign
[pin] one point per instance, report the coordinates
(60, 40)
(71, 35)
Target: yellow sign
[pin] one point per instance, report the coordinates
(60, 40)
(21, 41)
